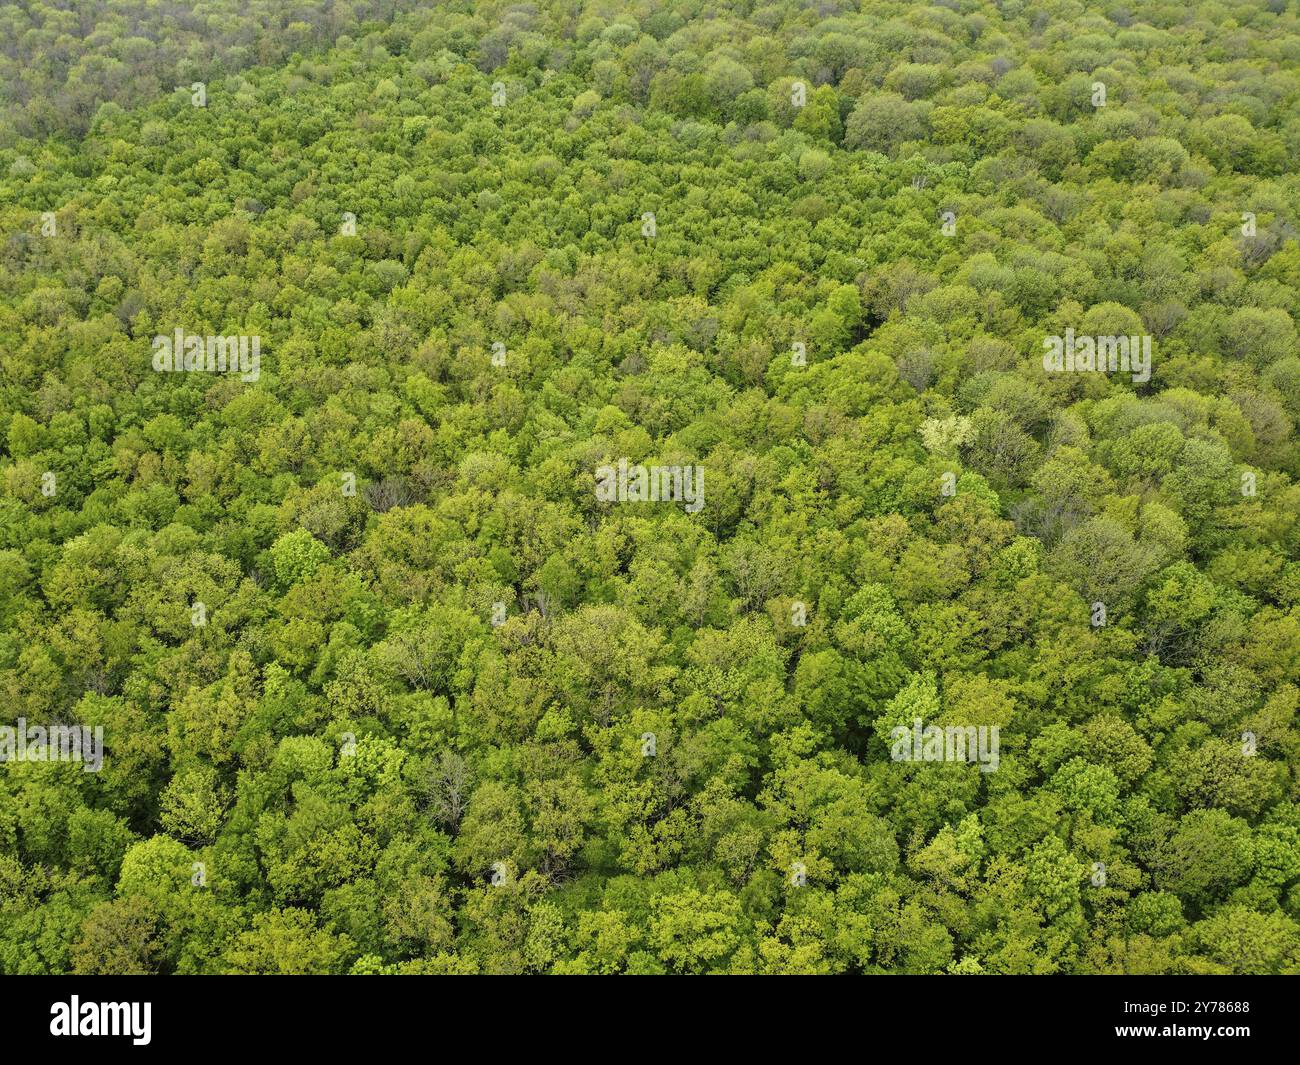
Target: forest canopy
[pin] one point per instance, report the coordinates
(342, 344)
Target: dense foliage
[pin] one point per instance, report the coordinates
(344, 763)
